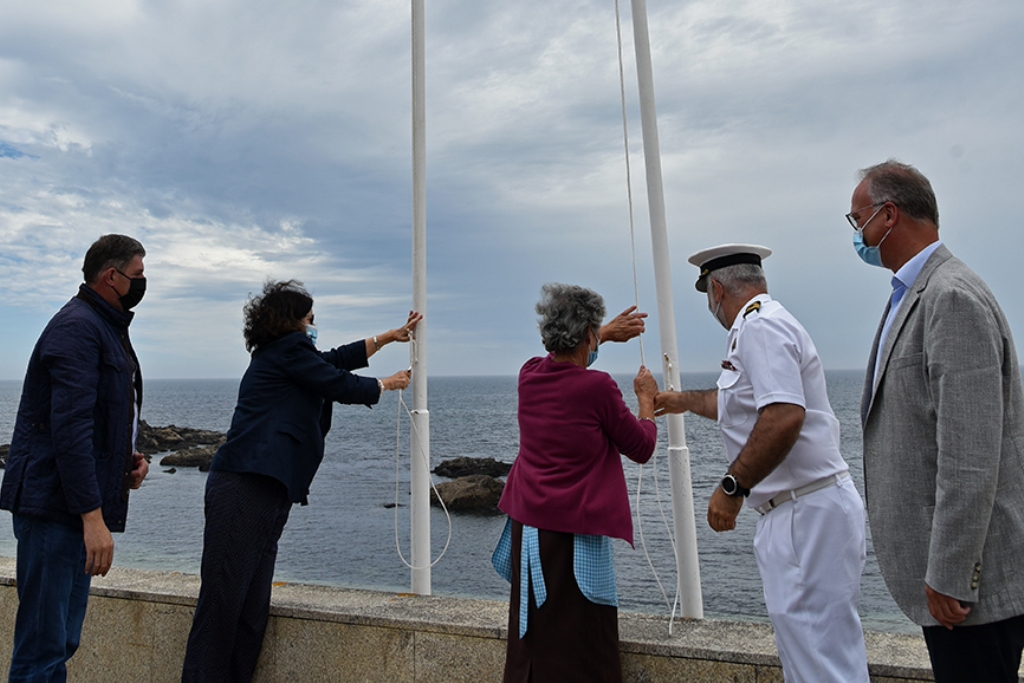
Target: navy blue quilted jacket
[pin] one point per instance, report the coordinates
(72, 446)
(284, 409)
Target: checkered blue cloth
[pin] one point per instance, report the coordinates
(593, 567)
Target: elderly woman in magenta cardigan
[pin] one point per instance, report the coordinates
(566, 495)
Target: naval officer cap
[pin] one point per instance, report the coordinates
(709, 260)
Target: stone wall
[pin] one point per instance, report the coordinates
(138, 623)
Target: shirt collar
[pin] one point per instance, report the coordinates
(762, 298)
(912, 268)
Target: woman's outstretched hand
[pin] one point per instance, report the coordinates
(399, 380)
(624, 326)
(645, 385)
(399, 334)
(404, 333)
(646, 388)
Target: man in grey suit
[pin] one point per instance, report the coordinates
(943, 419)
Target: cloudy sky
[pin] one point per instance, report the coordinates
(242, 140)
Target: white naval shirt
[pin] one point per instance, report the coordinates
(771, 359)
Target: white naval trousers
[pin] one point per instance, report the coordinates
(811, 552)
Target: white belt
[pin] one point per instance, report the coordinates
(786, 496)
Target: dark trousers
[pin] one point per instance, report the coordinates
(53, 591)
(988, 653)
(245, 515)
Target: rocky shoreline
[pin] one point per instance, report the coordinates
(188, 447)
(476, 484)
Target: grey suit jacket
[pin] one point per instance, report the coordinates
(944, 448)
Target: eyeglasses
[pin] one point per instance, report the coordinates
(853, 221)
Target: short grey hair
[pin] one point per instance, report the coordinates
(567, 313)
(904, 186)
(739, 277)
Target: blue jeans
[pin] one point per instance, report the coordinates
(53, 589)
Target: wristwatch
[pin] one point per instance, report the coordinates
(731, 487)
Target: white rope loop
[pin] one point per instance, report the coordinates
(398, 444)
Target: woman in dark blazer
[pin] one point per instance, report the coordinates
(273, 449)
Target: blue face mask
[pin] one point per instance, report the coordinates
(592, 356)
(869, 255)
(311, 333)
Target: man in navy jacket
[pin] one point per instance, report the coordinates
(72, 458)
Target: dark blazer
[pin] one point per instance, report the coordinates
(71, 451)
(944, 448)
(284, 409)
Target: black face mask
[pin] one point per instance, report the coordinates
(136, 290)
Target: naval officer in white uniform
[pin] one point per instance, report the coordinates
(782, 439)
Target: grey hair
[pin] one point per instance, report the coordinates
(567, 313)
(904, 186)
(739, 277)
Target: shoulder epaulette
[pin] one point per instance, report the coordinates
(756, 306)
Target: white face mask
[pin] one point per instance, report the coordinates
(311, 333)
(716, 307)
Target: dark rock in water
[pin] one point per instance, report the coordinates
(172, 438)
(192, 447)
(474, 493)
(462, 467)
(197, 456)
(171, 471)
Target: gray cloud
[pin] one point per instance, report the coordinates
(246, 140)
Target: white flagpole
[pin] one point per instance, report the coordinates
(420, 437)
(687, 564)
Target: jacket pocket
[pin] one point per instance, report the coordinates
(280, 444)
(908, 360)
(294, 431)
(115, 359)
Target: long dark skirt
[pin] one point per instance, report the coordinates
(569, 638)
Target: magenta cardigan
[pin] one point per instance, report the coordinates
(568, 475)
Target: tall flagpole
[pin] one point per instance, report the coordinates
(688, 569)
(420, 437)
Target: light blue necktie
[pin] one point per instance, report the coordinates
(898, 290)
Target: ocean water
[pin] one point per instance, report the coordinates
(350, 533)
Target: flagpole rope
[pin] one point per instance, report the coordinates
(636, 297)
